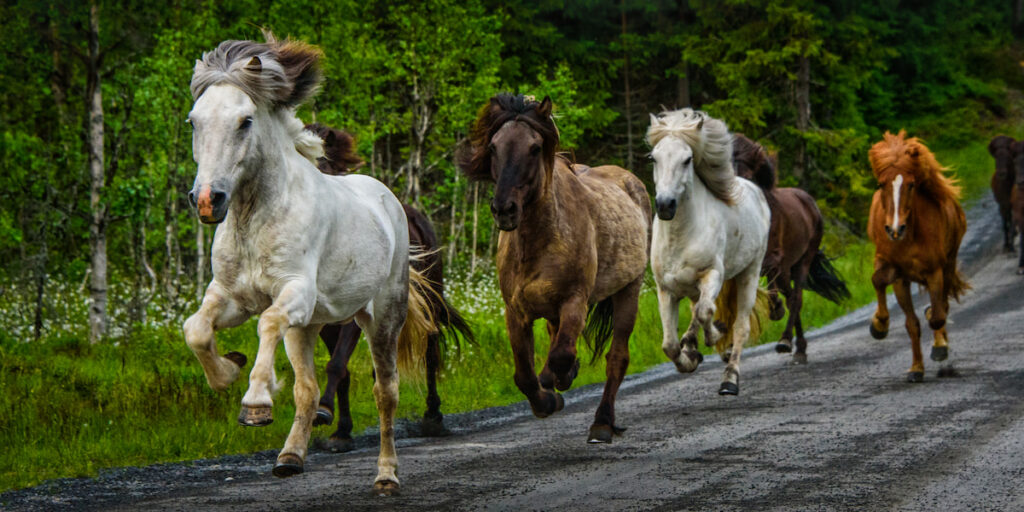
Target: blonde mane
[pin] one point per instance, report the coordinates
(897, 153)
(711, 142)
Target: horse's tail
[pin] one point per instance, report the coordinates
(955, 283)
(419, 324)
(599, 327)
(452, 327)
(823, 279)
(726, 310)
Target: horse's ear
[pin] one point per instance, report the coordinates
(255, 65)
(700, 124)
(544, 110)
(330, 138)
(655, 121)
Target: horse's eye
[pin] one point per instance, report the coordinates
(910, 186)
(650, 156)
(491, 148)
(688, 160)
(535, 149)
(246, 123)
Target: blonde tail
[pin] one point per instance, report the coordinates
(419, 324)
(725, 313)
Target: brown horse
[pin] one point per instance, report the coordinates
(794, 259)
(1004, 150)
(341, 339)
(1017, 201)
(572, 238)
(916, 223)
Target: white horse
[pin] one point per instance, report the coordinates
(295, 246)
(709, 238)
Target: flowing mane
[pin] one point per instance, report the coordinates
(711, 142)
(339, 156)
(275, 73)
(757, 159)
(899, 154)
(475, 160)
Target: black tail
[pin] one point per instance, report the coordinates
(823, 279)
(452, 327)
(599, 327)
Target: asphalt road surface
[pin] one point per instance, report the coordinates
(844, 432)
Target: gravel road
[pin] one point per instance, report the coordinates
(844, 432)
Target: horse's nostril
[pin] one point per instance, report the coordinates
(901, 230)
(192, 198)
(217, 197)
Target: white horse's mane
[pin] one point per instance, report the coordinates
(307, 143)
(711, 142)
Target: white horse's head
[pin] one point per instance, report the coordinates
(685, 143)
(673, 173)
(245, 93)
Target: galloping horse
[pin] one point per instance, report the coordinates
(341, 339)
(1004, 150)
(572, 238)
(916, 223)
(709, 239)
(299, 248)
(793, 259)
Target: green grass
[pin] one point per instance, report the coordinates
(69, 409)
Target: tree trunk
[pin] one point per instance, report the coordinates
(422, 120)
(803, 118)
(98, 220)
(452, 243)
(683, 87)
(625, 81)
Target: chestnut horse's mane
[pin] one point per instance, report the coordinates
(475, 161)
(339, 156)
(899, 154)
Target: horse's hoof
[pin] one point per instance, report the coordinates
(385, 488)
(915, 377)
(255, 416)
(287, 465)
(877, 334)
(800, 358)
(726, 356)
(603, 433)
(947, 371)
(940, 353)
(559, 404)
(564, 383)
(777, 312)
(336, 444)
(784, 346)
(433, 427)
(324, 416)
(688, 361)
(729, 388)
(236, 357)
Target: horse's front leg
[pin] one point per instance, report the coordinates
(901, 288)
(562, 364)
(299, 343)
(683, 352)
(217, 312)
(936, 315)
(293, 306)
(884, 276)
(785, 344)
(704, 311)
(543, 402)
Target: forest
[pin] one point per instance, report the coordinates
(98, 245)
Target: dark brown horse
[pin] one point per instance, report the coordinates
(916, 223)
(1004, 150)
(573, 239)
(793, 259)
(340, 158)
(1017, 200)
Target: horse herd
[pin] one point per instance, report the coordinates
(334, 254)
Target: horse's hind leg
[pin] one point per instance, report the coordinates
(384, 348)
(433, 421)
(746, 296)
(796, 305)
(624, 307)
(901, 288)
(299, 343)
(338, 380)
(217, 312)
(785, 344)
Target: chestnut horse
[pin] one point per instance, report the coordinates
(341, 339)
(794, 258)
(916, 223)
(1004, 150)
(572, 238)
